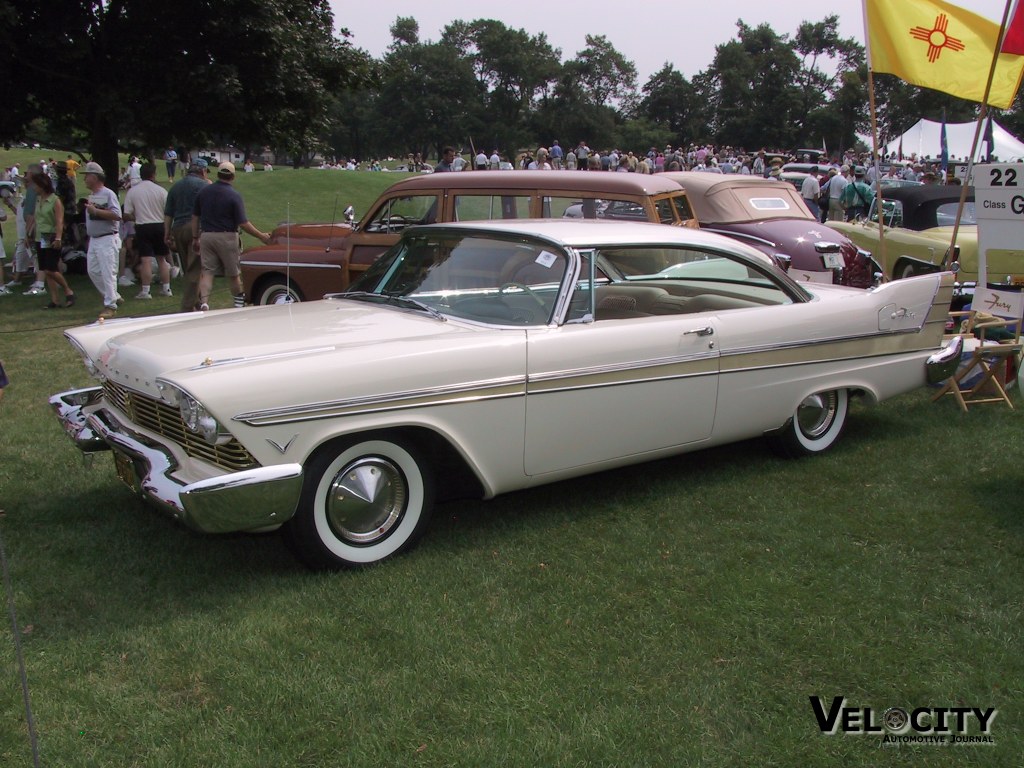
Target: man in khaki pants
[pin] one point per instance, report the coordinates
(216, 218)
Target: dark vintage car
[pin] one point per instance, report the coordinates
(306, 261)
(772, 217)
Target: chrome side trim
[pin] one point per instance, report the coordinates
(491, 389)
(778, 347)
(741, 236)
(286, 265)
(633, 365)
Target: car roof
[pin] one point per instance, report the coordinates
(588, 181)
(581, 233)
(914, 194)
(920, 204)
(714, 199)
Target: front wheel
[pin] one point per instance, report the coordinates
(279, 291)
(815, 427)
(361, 503)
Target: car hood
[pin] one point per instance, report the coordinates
(966, 233)
(303, 344)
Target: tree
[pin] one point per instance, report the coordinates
(429, 97)
(751, 86)
(129, 72)
(605, 76)
(515, 67)
(573, 113)
(820, 87)
(671, 102)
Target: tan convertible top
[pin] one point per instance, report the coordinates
(732, 198)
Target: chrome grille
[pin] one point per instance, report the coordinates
(157, 416)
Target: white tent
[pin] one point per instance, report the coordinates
(924, 140)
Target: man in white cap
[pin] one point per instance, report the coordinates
(216, 218)
(102, 222)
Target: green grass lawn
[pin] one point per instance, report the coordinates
(678, 613)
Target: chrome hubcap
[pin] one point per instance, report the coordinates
(283, 297)
(366, 500)
(815, 414)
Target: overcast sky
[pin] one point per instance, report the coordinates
(683, 33)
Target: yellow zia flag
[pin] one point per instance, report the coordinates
(937, 45)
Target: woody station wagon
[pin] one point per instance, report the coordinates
(305, 261)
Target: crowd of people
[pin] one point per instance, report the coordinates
(191, 228)
(695, 157)
(177, 230)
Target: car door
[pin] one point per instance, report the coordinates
(383, 227)
(605, 390)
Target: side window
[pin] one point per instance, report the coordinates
(566, 207)
(945, 215)
(592, 208)
(893, 212)
(683, 211)
(667, 212)
(397, 213)
(485, 207)
(720, 280)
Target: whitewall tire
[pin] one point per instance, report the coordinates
(362, 502)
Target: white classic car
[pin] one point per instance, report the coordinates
(477, 359)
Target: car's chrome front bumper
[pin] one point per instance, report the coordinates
(249, 500)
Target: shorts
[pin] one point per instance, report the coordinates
(217, 249)
(149, 240)
(49, 259)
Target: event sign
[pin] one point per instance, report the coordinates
(999, 208)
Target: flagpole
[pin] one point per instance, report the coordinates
(879, 201)
(951, 253)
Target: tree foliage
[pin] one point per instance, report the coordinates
(128, 74)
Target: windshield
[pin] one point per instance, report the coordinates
(483, 278)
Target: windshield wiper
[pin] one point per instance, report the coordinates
(395, 299)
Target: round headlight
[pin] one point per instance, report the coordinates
(209, 428)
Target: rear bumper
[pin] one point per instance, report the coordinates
(252, 499)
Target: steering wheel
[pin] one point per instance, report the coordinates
(527, 290)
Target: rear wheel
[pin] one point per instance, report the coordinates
(361, 503)
(278, 291)
(815, 427)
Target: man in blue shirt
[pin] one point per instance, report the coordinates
(217, 216)
(556, 155)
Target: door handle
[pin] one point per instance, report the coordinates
(706, 331)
